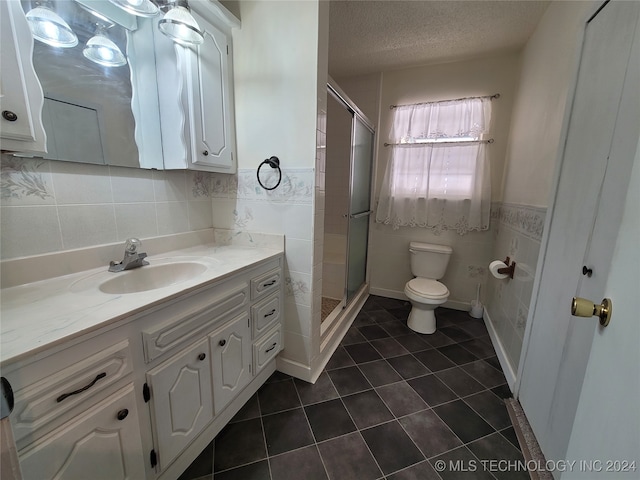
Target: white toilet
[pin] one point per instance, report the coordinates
(428, 264)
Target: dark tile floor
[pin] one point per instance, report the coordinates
(390, 404)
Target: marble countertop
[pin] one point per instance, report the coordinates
(42, 314)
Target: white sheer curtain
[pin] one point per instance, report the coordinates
(437, 185)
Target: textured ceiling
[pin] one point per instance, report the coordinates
(373, 36)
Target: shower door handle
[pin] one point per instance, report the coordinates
(361, 214)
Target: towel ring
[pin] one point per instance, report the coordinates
(273, 162)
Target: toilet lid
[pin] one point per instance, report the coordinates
(428, 288)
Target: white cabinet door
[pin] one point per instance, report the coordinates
(211, 117)
(231, 358)
(103, 443)
(181, 399)
(196, 90)
(21, 96)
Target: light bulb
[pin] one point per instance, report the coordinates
(50, 28)
(101, 50)
(141, 8)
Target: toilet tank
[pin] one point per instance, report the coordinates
(429, 260)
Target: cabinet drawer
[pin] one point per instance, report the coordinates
(188, 323)
(267, 349)
(45, 401)
(101, 442)
(265, 313)
(265, 283)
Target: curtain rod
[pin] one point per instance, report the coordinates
(490, 97)
(425, 144)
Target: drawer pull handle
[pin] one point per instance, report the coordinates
(122, 414)
(222, 342)
(80, 390)
(270, 348)
(270, 313)
(268, 284)
(202, 356)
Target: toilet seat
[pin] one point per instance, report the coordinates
(427, 289)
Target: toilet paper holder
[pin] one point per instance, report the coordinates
(509, 269)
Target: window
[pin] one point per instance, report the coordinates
(438, 173)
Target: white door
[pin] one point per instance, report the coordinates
(601, 142)
(608, 409)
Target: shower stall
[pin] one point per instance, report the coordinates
(348, 170)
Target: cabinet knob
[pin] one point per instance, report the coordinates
(206, 153)
(122, 414)
(9, 115)
(222, 342)
(202, 356)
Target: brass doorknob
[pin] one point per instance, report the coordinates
(581, 307)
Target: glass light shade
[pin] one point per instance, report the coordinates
(141, 8)
(179, 25)
(50, 28)
(101, 50)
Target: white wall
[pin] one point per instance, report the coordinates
(278, 58)
(275, 77)
(549, 62)
(388, 248)
(548, 70)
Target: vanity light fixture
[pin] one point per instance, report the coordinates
(101, 50)
(179, 25)
(141, 8)
(50, 28)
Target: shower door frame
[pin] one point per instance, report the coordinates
(357, 114)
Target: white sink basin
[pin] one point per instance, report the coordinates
(161, 273)
(151, 277)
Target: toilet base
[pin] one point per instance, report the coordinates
(422, 320)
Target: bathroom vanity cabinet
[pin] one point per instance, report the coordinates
(142, 397)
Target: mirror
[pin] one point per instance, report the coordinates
(99, 114)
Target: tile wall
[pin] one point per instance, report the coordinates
(518, 233)
(242, 205)
(50, 206)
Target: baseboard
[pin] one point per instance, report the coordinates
(383, 292)
(457, 305)
(452, 304)
(500, 352)
(293, 368)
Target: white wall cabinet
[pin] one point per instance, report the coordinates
(196, 95)
(21, 97)
(143, 398)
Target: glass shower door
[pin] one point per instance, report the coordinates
(359, 205)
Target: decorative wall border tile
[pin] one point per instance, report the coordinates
(525, 219)
(22, 178)
(296, 186)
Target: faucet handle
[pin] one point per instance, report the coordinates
(132, 244)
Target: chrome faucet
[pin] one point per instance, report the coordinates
(132, 259)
